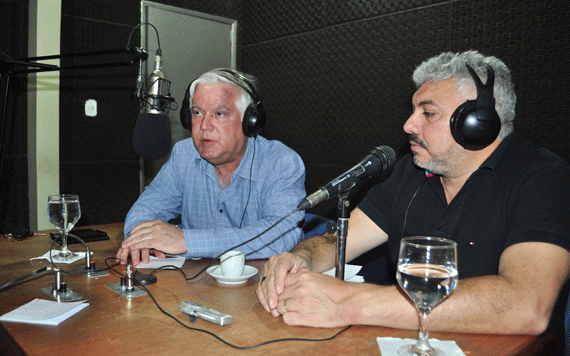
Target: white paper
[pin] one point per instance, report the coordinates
(155, 262)
(77, 256)
(44, 312)
(389, 346)
(350, 272)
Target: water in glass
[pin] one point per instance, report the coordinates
(64, 212)
(427, 272)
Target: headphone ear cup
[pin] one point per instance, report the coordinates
(475, 128)
(185, 114)
(253, 121)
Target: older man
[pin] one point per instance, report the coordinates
(506, 204)
(226, 183)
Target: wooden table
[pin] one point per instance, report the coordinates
(115, 325)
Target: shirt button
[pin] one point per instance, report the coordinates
(221, 210)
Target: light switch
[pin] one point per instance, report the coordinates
(91, 108)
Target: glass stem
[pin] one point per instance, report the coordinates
(64, 249)
(422, 346)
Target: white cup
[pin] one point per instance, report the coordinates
(233, 263)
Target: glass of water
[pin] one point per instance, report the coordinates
(63, 211)
(427, 272)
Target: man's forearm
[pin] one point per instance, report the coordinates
(471, 308)
(318, 251)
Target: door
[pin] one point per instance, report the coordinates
(191, 43)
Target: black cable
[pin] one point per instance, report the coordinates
(50, 259)
(86, 252)
(231, 248)
(409, 205)
(218, 256)
(139, 25)
(214, 335)
(61, 237)
(19, 279)
(250, 175)
(165, 102)
(54, 266)
(215, 258)
(111, 268)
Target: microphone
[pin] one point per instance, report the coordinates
(377, 161)
(152, 137)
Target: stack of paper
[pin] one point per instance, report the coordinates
(350, 273)
(155, 262)
(45, 312)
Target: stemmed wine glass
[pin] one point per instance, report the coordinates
(63, 211)
(427, 272)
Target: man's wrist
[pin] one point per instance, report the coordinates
(304, 256)
(353, 306)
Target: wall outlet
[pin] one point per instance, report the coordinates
(91, 108)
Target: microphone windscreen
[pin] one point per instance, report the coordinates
(152, 137)
(386, 154)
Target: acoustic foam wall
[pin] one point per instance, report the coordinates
(98, 161)
(336, 75)
(14, 180)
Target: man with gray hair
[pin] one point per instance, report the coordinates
(226, 183)
(504, 202)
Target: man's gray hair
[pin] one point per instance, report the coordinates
(219, 76)
(448, 65)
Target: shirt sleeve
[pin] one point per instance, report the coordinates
(539, 208)
(162, 199)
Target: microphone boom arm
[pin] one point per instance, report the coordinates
(139, 56)
(8, 69)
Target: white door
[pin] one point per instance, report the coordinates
(191, 43)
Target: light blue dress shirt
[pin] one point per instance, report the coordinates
(211, 217)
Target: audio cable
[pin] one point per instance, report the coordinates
(211, 333)
(229, 249)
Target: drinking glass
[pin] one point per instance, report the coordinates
(427, 272)
(63, 212)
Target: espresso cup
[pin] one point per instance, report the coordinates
(232, 263)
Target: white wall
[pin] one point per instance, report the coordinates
(43, 111)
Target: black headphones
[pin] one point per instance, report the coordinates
(253, 117)
(475, 124)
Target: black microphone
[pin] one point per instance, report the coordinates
(152, 137)
(377, 161)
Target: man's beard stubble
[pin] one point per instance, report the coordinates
(441, 164)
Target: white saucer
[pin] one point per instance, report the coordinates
(216, 272)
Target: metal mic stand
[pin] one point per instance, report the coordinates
(8, 69)
(341, 227)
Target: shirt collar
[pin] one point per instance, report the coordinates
(244, 167)
(493, 161)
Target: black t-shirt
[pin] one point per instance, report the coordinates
(521, 193)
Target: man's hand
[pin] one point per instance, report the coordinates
(317, 300)
(272, 281)
(156, 236)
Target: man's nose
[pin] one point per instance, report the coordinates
(206, 123)
(412, 126)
